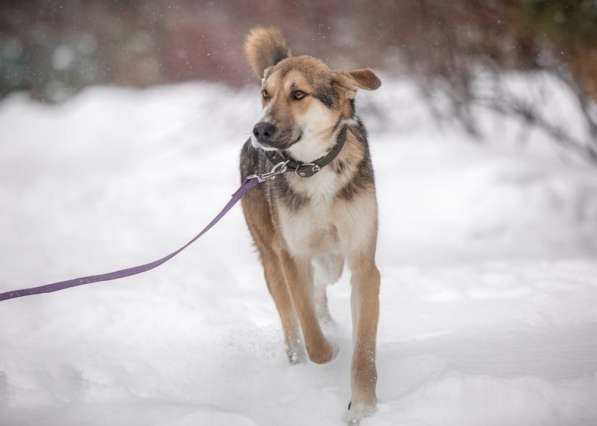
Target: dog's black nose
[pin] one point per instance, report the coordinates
(264, 131)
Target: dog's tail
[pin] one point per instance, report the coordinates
(264, 48)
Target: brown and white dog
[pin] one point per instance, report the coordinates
(306, 228)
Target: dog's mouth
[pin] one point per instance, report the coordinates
(262, 145)
(280, 144)
(299, 137)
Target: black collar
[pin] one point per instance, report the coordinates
(309, 169)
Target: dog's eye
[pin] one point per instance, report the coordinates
(297, 95)
(265, 95)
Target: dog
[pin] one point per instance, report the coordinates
(306, 223)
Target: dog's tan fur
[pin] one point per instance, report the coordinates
(306, 228)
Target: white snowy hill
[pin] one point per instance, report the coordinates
(487, 254)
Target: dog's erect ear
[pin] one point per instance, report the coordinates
(265, 47)
(362, 78)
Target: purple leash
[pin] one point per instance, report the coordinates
(250, 183)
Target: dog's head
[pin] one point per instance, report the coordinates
(303, 99)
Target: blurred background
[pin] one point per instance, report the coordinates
(55, 48)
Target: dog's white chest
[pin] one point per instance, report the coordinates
(326, 223)
(311, 229)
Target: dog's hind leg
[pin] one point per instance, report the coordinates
(326, 270)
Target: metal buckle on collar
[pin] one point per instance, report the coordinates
(307, 170)
(278, 169)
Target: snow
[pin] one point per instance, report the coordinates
(487, 254)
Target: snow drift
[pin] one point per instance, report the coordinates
(487, 254)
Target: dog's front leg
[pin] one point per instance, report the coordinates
(299, 277)
(365, 283)
(276, 284)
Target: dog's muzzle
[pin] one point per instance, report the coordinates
(264, 132)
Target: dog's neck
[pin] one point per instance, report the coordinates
(324, 186)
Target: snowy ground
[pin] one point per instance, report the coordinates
(487, 254)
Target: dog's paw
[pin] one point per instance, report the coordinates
(296, 357)
(357, 412)
(325, 354)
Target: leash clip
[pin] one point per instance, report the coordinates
(278, 169)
